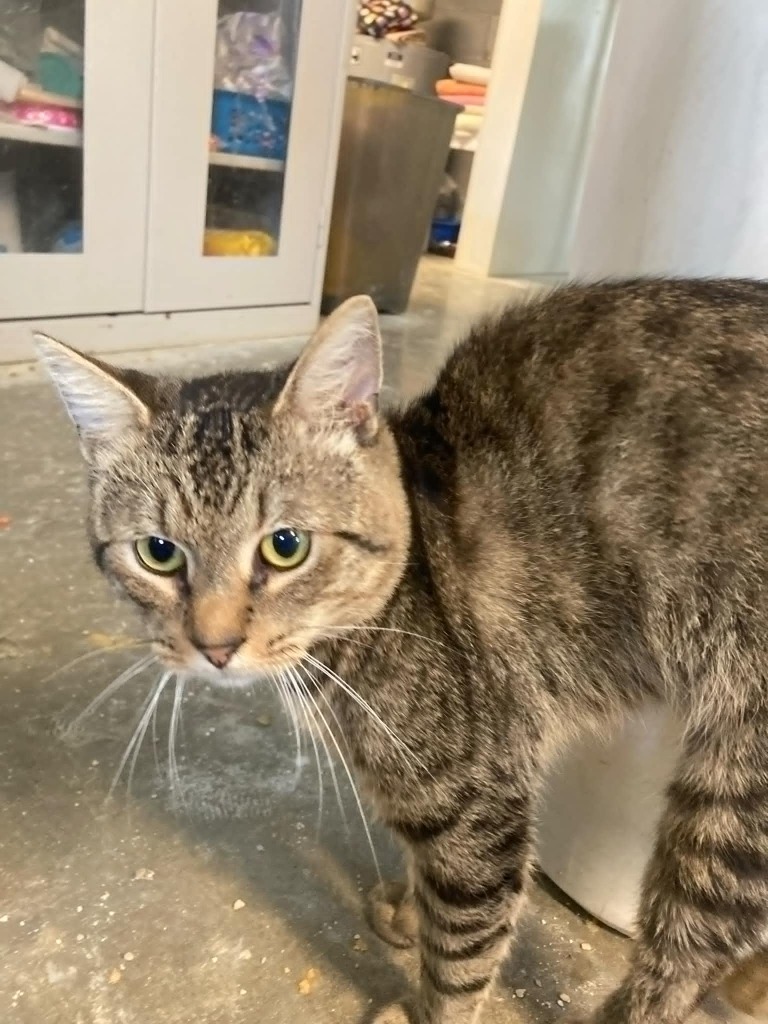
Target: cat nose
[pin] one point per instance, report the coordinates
(220, 654)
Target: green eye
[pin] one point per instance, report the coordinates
(285, 548)
(160, 555)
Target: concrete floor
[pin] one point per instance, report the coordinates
(210, 906)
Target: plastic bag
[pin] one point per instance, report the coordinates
(22, 25)
(255, 51)
(448, 200)
(20, 32)
(378, 18)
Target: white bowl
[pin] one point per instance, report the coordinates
(602, 804)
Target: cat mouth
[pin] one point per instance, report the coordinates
(236, 672)
(232, 679)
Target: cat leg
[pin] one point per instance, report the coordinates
(392, 913)
(705, 900)
(469, 876)
(747, 988)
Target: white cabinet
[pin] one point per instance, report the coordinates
(96, 175)
(187, 189)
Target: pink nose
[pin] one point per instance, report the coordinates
(220, 655)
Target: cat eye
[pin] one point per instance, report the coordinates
(159, 555)
(286, 548)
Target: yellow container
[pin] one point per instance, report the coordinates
(222, 242)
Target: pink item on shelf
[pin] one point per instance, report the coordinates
(450, 87)
(43, 115)
(465, 100)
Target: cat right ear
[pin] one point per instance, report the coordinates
(98, 397)
(337, 378)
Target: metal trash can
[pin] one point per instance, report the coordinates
(394, 147)
(411, 67)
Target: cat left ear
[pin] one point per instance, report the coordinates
(99, 399)
(337, 378)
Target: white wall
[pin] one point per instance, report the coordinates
(677, 178)
(512, 57)
(526, 182)
(541, 200)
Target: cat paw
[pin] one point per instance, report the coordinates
(395, 1014)
(392, 916)
(747, 988)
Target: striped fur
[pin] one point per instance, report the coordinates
(573, 520)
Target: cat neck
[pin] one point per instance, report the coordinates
(415, 612)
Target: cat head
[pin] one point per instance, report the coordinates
(248, 515)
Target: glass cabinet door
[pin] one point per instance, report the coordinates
(254, 75)
(71, 211)
(41, 126)
(245, 128)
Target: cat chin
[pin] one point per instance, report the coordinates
(235, 680)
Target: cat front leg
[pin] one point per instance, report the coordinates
(469, 875)
(393, 914)
(747, 988)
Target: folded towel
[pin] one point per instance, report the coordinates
(468, 122)
(448, 87)
(470, 73)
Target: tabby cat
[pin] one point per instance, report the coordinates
(573, 520)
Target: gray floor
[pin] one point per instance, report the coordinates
(210, 907)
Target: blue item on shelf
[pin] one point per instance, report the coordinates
(61, 74)
(445, 230)
(69, 239)
(250, 126)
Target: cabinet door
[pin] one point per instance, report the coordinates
(245, 127)
(74, 121)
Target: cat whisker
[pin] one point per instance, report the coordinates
(155, 741)
(411, 757)
(102, 651)
(125, 677)
(290, 709)
(151, 717)
(173, 728)
(305, 689)
(390, 629)
(302, 693)
(137, 738)
(346, 639)
(288, 684)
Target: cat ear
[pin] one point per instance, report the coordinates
(99, 399)
(337, 378)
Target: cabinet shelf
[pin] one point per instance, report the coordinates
(72, 137)
(150, 164)
(246, 163)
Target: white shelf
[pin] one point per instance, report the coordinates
(72, 137)
(247, 163)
